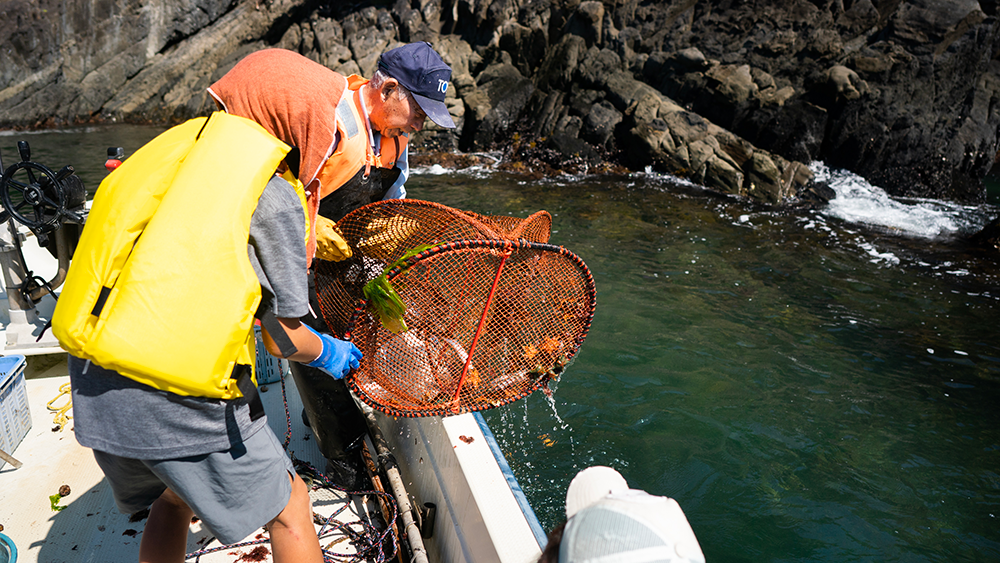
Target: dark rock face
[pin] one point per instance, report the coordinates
(895, 91)
(506, 92)
(736, 96)
(989, 237)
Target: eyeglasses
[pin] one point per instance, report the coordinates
(415, 108)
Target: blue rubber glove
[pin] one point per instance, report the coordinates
(338, 357)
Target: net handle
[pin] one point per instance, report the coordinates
(482, 321)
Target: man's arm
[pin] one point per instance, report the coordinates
(308, 345)
(331, 355)
(398, 190)
(277, 252)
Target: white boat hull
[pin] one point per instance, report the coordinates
(454, 463)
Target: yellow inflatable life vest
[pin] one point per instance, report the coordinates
(161, 288)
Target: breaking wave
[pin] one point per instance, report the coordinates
(857, 201)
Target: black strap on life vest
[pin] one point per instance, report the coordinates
(249, 390)
(292, 160)
(276, 331)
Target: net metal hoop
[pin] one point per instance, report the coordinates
(504, 248)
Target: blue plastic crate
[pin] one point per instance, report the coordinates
(269, 369)
(15, 418)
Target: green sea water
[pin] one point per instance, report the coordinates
(810, 385)
(807, 389)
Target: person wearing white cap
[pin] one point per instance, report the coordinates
(607, 522)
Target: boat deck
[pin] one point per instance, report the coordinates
(90, 528)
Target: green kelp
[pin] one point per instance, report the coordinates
(54, 499)
(383, 299)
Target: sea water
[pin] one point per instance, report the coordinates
(810, 385)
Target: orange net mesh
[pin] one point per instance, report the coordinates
(492, 311)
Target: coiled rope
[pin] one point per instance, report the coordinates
(59, 417)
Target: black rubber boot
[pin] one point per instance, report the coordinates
(348, 475)
(330, 411)
(336, 423)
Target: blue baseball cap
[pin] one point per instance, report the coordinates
(421, 71)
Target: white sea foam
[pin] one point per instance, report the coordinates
(433, 170)
(887, 257)
(857, 201)
(489, 162)
(478, 171)
(669, 179)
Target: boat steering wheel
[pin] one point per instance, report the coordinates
(32, 194)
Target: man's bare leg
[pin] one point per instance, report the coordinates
(165, 538)
(293, 537)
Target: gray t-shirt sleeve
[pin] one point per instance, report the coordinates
(277, 250)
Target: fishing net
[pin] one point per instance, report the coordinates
(454, 311)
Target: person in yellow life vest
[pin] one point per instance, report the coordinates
(157, 314)
(354, 151)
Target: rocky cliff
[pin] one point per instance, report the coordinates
(737, 96)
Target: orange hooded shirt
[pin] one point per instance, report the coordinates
(294, 99)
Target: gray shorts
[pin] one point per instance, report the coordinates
(234, 492)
